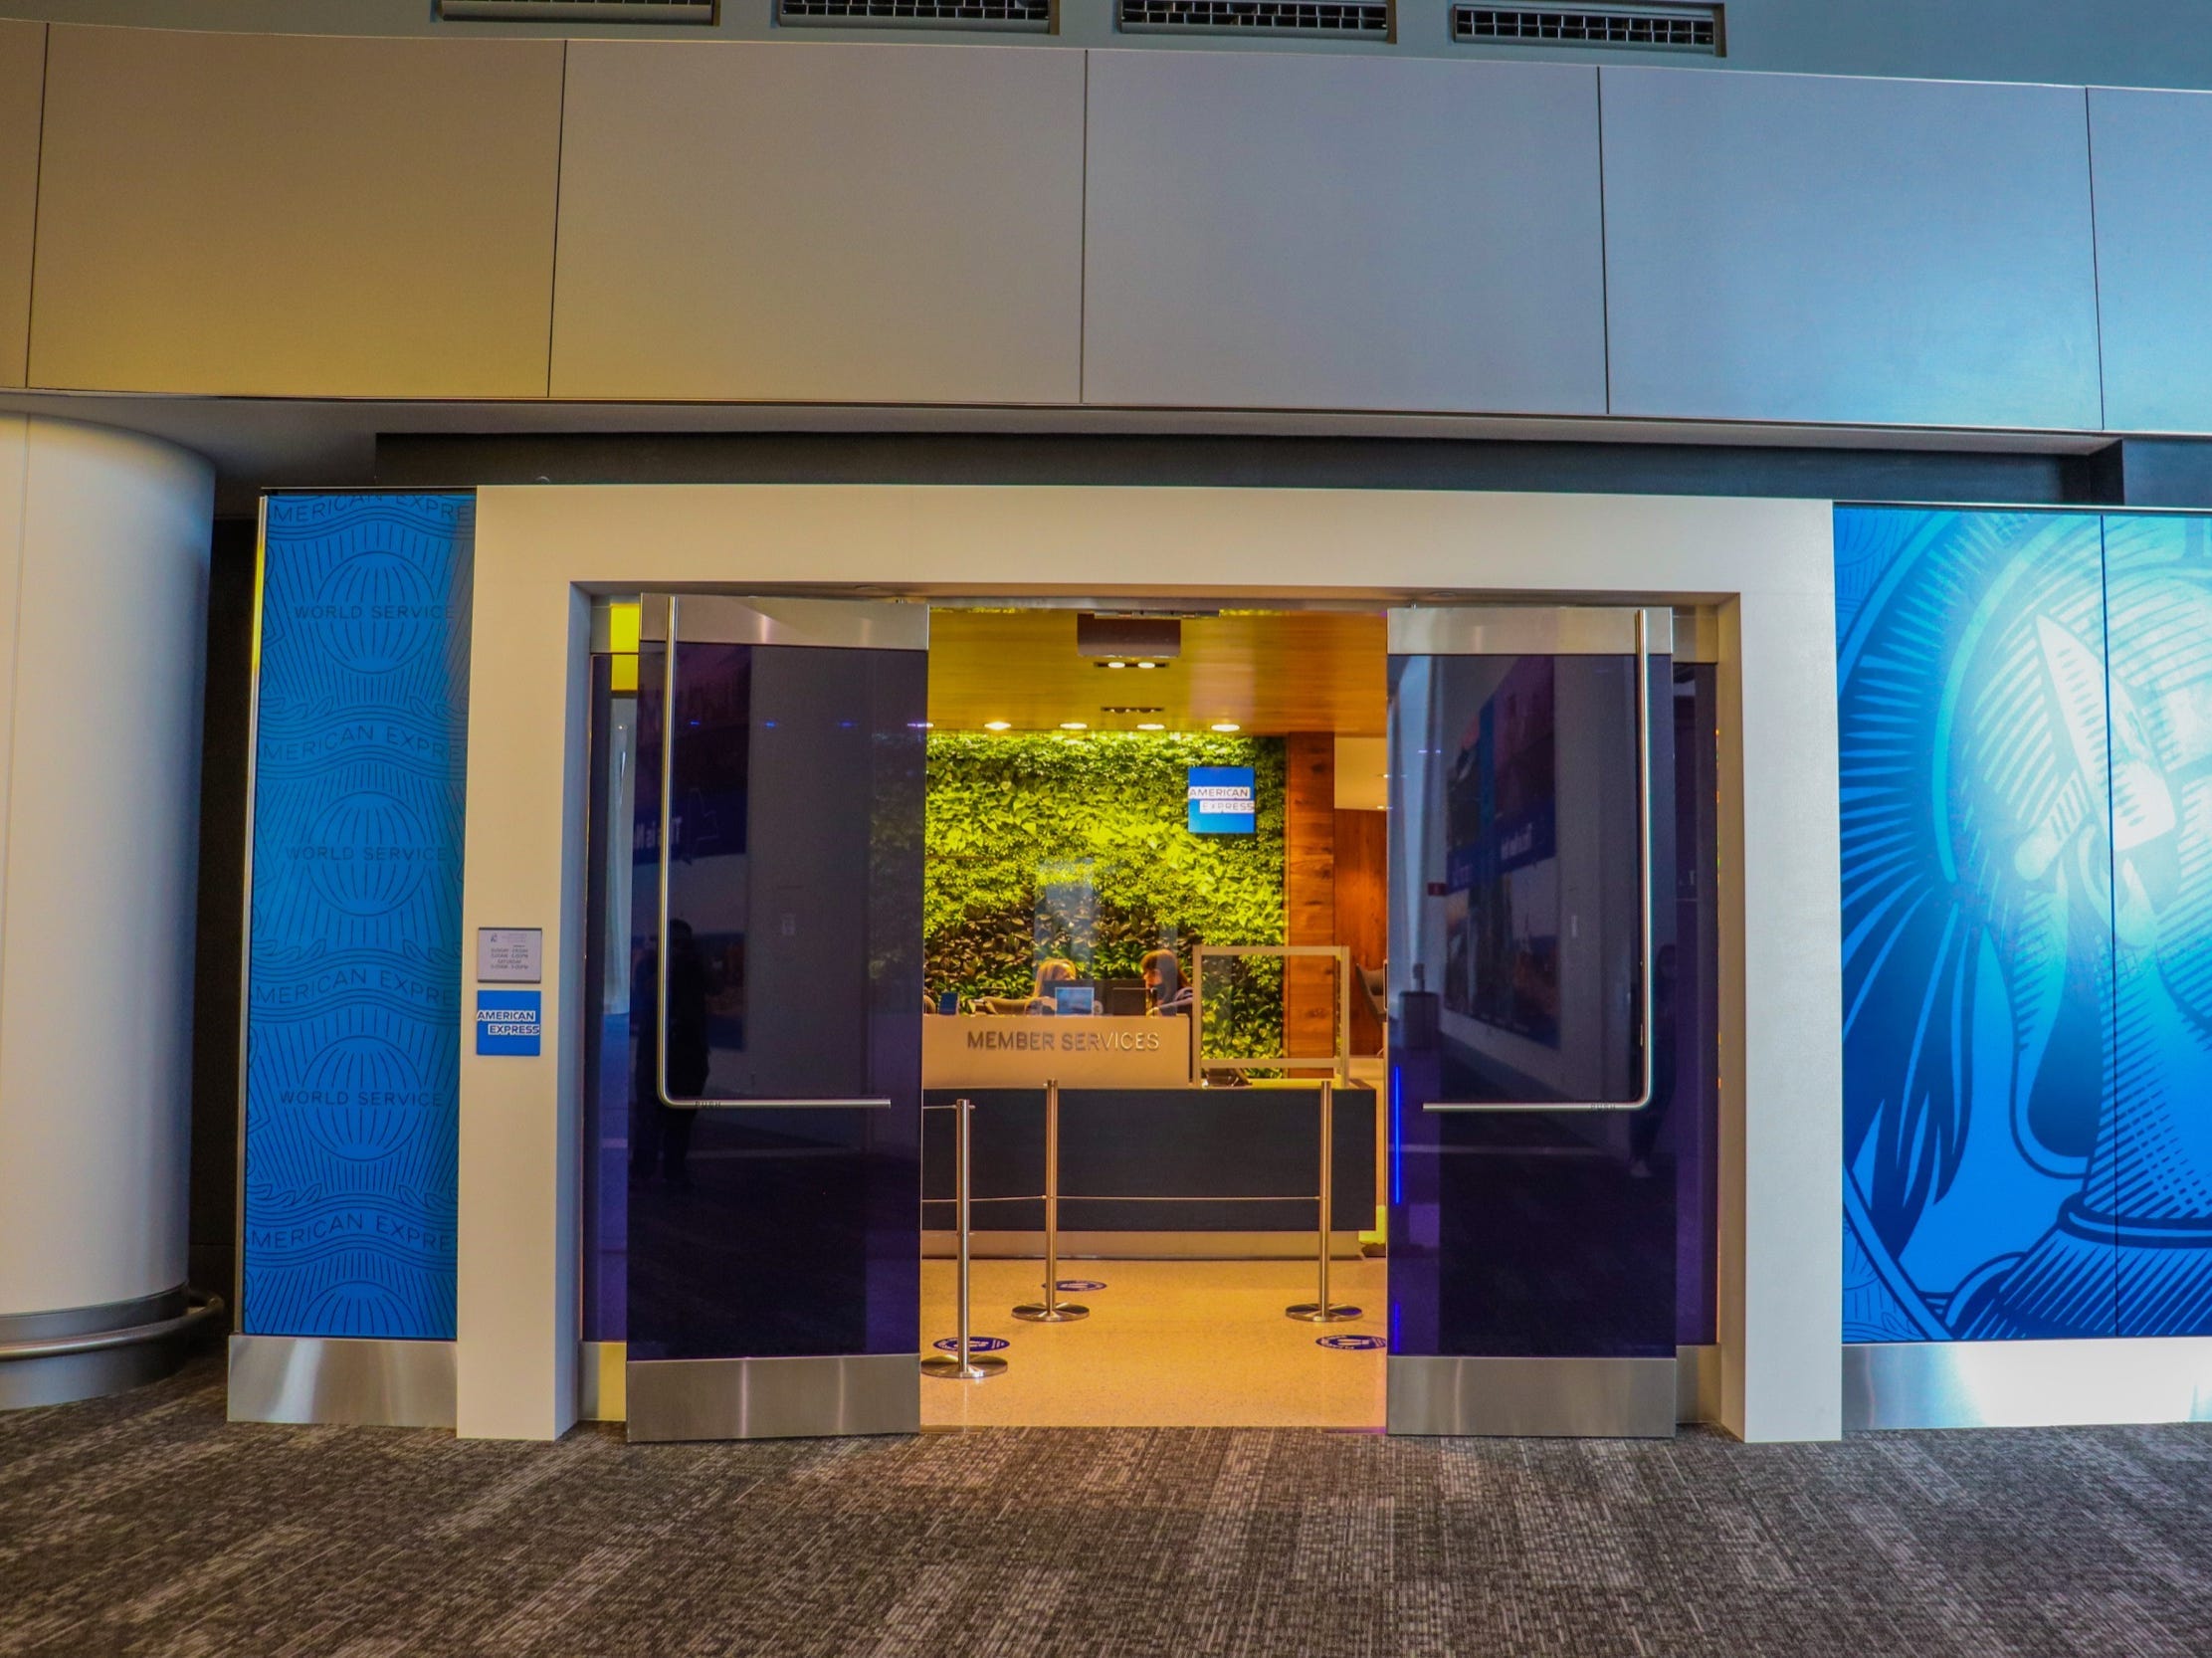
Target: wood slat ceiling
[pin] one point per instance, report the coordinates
(1270, 673)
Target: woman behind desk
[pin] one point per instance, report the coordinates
(1052, 972)
(1165, 992)
(1060, 988)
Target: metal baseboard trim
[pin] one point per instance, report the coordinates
(1698, 1385)
(1532, 1399)
(600, 1383)
(773, 1398)
(19, 1329)
(332, 1380)
(2027, 1385)
(87, 1352)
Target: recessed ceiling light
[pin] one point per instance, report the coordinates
(1073, 726)
(998, 724)
(1147, 665)
(1151, 725)
(1226, 725)
(1116, 665)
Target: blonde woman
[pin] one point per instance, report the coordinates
(1052, 971)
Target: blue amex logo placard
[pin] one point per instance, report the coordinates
(1220, 799)
(507, 1022)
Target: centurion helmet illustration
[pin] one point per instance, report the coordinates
(2026, 725)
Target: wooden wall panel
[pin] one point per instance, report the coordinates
(22, 79)
(1363, 907)
(294, 215)
(1310, 888)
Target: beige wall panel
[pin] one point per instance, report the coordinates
(295, 216)
(820, 223)
(1277, 230)
(22, 70)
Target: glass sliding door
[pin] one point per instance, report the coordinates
(775, 1010)
(1532, 993)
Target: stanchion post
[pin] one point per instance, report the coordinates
(964, 1365)
(1322, 1309)
(1052, 1309)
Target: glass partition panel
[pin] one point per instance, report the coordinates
(609, 1100)
(1680, 1138)
(1535, 1218)
(774, 1173)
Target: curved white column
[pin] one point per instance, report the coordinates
(103, 556)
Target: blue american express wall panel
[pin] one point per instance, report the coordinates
(1980, 1165)
(353, 1021)
(2158, 581)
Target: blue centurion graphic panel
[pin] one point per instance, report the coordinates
(1978, 864)
(2159, 593)
(355, 950)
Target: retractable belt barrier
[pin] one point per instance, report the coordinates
(1321, 1310)
(1052, 1309)
(968, 1366)
(965, 1364)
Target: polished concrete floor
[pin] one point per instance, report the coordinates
(1169, 1343)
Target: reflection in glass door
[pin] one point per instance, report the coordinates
(775, 1010)
(1532, 999)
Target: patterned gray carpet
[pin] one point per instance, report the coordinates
(148, 1524)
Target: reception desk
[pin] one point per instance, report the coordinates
(1178, 1171)
(984, 1050)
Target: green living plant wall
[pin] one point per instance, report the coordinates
(1075, 844)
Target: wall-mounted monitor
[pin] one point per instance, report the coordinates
(1221, 801)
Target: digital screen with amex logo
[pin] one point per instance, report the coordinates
(1220, 800)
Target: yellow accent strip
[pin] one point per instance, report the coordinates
(622, 628)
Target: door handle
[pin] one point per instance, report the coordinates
(1647, 971)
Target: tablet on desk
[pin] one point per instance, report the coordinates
(1074, 998)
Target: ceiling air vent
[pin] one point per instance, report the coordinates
(1347, 21)
(576, 11)
(918, 14)
(1655, 28)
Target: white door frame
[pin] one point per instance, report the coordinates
(1767, 566)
